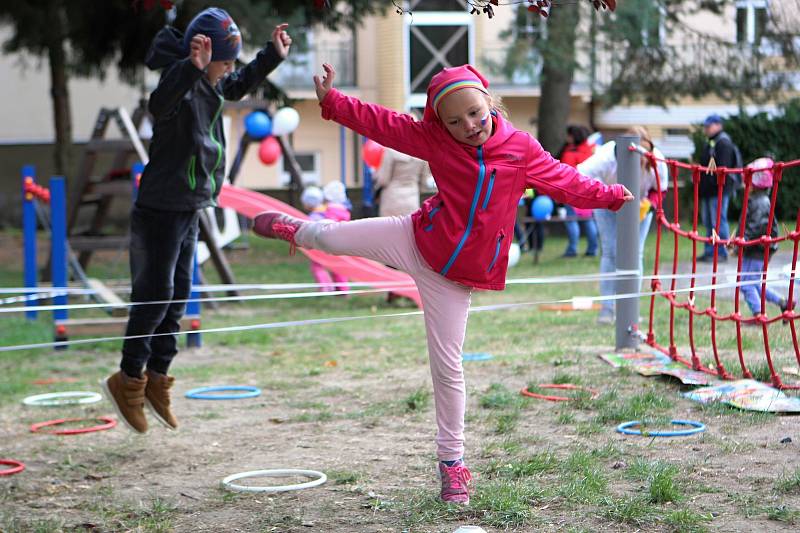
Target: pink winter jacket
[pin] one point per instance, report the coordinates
(465, 230)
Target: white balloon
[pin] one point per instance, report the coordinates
(285, 121)
(513, 254)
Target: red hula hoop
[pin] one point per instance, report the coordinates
(16, 467)
(51, 381)
(108, 424)
(559, 386)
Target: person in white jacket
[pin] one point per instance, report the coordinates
(603, 166)
(399, 180)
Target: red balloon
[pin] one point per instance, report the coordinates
(269, 150)
(372, 153)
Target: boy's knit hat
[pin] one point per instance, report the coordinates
(762, 177)
(450, 80)
(215, 23)
(312, 197)
(335, 192)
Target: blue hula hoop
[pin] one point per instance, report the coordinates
(696, 427)
(476, 356)
(201, 393)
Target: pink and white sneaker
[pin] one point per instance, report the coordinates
(455, 482)
(277, 225)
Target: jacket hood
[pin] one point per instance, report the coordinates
(167, 48)
(450, 80)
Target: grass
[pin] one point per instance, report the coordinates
(789, 483)
(537, 465)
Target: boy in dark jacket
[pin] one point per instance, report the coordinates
(183, 176)
(755, 225)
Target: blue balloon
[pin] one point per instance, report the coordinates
(542, 207)
(258, 125)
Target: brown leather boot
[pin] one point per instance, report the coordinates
(126, 394)
(156, 397)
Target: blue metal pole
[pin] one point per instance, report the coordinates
(136, 175)
(30, 274)
(58, 254)
(194, 340)
(343, 155)
(367, 193)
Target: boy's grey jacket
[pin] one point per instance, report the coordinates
(758, 208)
(187, 151)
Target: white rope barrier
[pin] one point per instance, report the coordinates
(772, 276)
(332, 320)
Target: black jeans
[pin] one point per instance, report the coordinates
(161, 259)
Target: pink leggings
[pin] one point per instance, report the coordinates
(390, 240)
(331, 281)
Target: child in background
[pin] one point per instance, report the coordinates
(458, 241)
(313, 201)
(755, 225)
(184, 175)
(337, 206)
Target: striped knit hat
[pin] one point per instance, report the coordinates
(448, 81)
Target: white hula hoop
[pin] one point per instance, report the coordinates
(62, 398)
(320, 479)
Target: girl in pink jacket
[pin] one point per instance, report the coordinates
(459, 239)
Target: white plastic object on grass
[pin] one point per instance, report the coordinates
(320, 479)
(581, 302)
(513, 254)
(63, 398)
(470, 529)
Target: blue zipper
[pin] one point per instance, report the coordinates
(472, 209)
(489, 190)
(429, 227)
(496, 253)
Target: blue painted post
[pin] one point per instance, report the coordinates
(58, 254)
(136, 175)
(30, 273)
(194, 340)
(343, 155)
(367, 193)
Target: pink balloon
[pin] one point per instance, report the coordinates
(269, 150)
(372, 153)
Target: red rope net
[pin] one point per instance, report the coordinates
(680, 301)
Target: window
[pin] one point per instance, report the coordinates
(438, 35)
(751, 21)
(309, 165)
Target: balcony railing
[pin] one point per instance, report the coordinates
(299, 68)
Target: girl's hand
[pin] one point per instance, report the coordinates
(327, 81)
(281, 40)
(628, 196)
(200, 51)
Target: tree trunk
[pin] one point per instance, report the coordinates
(558, 67)
(59, 90)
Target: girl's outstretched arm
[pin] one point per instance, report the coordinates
(565, 184)
(389, 128)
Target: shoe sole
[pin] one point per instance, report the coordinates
(158, 416)
(110, 398)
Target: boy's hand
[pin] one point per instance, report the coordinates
(200, 51)
(327, 81)
(281, 40)
(628, 196)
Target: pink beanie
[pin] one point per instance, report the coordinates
(762, 175)
(450, 80)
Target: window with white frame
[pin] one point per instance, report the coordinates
(751, 21)
(309, 168)
(439, 34)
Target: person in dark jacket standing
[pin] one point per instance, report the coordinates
(183, 176)
(721, 149)
(755, 226)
